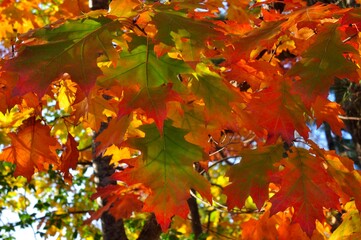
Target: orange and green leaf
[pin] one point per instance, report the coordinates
(166, 167)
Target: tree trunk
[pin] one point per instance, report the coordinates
(151, 229)
(99, 4)
(112, 229)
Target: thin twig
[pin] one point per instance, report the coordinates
(220, 234)
(349, 38)
(64, 214)
(225, 208)
(219, 150)
(85, 148)
(349, 118)
(218, 162)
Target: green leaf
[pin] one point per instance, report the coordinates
(168, 21)
(71, 48)
(216, 93)
(166, 167)
(142, 66)
(322, 62)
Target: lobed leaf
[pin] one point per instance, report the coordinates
(71, 48)
(166, 167)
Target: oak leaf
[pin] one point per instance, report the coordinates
(152, 100)
(196, 32)
(263, 228)
(32, 149)
(113, 134)
(321, 63)
(166, 167)
(95, 109)
(123, 8)
(305, 183)
(285, 112)
(327, 111)
(216, 93)
(121, 202)
(141, 66)
(251, 176)
(78, 43)
(347, 180)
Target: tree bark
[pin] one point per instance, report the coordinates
(99, 4)
(112, 229)
(196, 220)
(151, 229)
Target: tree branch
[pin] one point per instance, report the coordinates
(196, 221)
(151, 229)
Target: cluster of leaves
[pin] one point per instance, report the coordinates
(187, 83)
(46, 203)
(21, 16)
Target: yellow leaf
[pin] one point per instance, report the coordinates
(66, 94)
(118, 154)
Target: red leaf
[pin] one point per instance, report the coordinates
(279, 112)
(121, 202)
(166, 167)
(251, 176)
(151, 100)
(321, 63)
(69, 157)
(72, 47)
(307, 187)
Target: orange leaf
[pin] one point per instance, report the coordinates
(264, 228)
(327, 111)
(32, 149)
(341, 169)
(113, 134)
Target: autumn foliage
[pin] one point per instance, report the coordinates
(188, 83)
